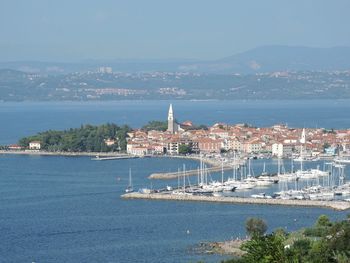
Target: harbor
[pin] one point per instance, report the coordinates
(238, 183)
(336, 205)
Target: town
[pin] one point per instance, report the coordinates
(278, 140)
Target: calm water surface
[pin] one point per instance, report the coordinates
(20, 119)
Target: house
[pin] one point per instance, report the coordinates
(138, 150)
(14, 147)
(252, 146)
(210, 145)
(35, 145)
(109, 142)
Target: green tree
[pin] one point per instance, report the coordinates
(323, 221)
(185, 149)
(265, 249)
(255, 226)
(156, 125)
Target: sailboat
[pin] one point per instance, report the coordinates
(129, 189)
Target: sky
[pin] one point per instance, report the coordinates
(75, 30)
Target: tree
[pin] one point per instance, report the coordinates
(185, 149)
(156, 125)
(86, 138)
(323, 221)
(255, 227)
(265, 249)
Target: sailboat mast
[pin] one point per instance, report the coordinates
(130, 182)
(222, 171)
(184, 176)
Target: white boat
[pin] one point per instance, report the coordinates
(287, 176)
(145, 191)
(259, 181)
(129, 189)
(342, 160)
(269, 179)
(261, 196)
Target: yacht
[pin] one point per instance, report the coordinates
(129, 189)
(261, 196)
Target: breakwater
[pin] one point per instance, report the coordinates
(336, 205)
(173, 175)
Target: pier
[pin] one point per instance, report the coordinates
(173, 175)
(98, 158)
(336, 205)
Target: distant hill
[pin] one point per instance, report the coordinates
(261, 59)
(279, 58)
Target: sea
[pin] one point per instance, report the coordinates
(68, 209)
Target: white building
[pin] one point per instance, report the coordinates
(105, 70)
(35, 145)
(277, 149)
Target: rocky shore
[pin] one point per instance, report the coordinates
(230, 247)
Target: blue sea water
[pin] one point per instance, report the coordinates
(20, 119)
(68, 209)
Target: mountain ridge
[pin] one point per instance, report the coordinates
(268, 58)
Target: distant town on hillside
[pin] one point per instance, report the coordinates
(271, 72)
(105, 84)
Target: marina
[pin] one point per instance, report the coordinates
(307, 186)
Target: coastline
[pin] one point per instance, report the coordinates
(73, 154)
(228, 247)
(105, 154)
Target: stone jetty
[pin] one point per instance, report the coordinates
(173, 175)
(336, 205)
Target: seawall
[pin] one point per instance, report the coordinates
(336, 205)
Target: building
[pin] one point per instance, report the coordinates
(14, 147)
(208, 145)
(173, 127)
(277, 149)
(109, 142)
(107, 70)
(35, 145)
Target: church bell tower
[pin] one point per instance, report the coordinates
(172, 125)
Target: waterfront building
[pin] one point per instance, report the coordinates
(277, 150)
(35, 145)
(209, 145)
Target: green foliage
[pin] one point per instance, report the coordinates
(156, 125)
(265, 249)
(185, 149)
(323, 221)
(87, 138)
(298, 250)
(255, 227)
(331, 245)
(321, 227)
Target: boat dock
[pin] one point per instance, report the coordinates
(336, 205)
(173, 175)
(114, 158)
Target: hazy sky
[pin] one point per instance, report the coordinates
(67, 30)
